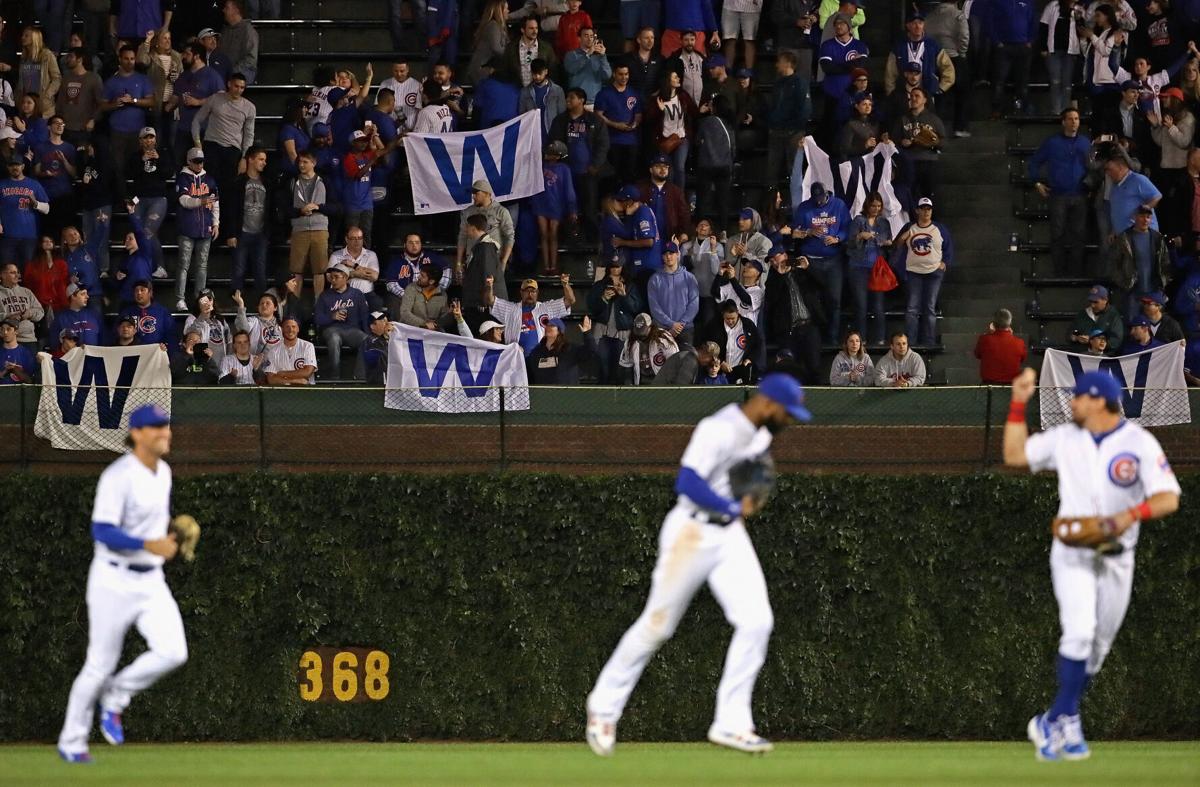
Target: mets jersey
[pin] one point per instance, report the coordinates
(137, 500)
(1102, 475)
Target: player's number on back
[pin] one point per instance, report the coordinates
(344, 675)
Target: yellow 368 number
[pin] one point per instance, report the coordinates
(343, 675)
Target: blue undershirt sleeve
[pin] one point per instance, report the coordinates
(114, 538)
(690, 484)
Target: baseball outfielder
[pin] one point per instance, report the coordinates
(1112, 475)
(704, 538)
(126, 587)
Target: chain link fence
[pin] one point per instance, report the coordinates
(575, 429)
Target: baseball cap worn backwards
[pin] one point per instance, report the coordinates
(787, 391)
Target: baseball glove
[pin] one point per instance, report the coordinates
(1099, 533)
(754, 478)
(187, 534)
(926, 137)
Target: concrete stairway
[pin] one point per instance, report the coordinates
(975, 204)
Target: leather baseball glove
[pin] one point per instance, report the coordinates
(187, 534)
(1099, 533)
(926, 137)
(754, 478)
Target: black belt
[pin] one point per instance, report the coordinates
(135, 567)
(711, 517)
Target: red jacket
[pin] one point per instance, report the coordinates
(1000, 356)
(48, 284)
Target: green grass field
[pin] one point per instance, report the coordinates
(926, 764)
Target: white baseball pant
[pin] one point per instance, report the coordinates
(688, 554)
(1093, 594)
(118, 598)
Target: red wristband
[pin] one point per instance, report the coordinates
(1016, 412)
(1141, 512)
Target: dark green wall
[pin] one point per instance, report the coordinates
(915, 607)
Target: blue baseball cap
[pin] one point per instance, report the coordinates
(1099, 384)
(670, 246)
(659, 158)
(1131, 84)
(321, 129)
(629, 194)
(559, 324)
(336, 95)
(776, 250)
(715, 61)
(787, 391)
(746, 213)
(912, 67)
(1141, 319)
(1158, 296)
(1098, 293)
(1093, 333)
(743, 73)
(149, 415)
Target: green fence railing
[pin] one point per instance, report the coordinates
(581, 428)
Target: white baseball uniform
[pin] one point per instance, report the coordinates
(1097, 476)
(283, 358)
(692, 549)
(125, 588)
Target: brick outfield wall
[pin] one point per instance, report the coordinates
(546, 448)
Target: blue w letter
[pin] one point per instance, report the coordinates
(108, 411)
(1131, 401)
(459, 183)
(431, 381)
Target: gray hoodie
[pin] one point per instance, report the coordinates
(889, 369)
(14, 301)
(758, 246)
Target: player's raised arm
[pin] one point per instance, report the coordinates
(1016, 431)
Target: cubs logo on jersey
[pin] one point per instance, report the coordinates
(921, 244)
(147, 323)
(271, 335)
(1123, 469)
(630, 103)
(544, 320)
(660, 358)
(741, 341)
(410, 100)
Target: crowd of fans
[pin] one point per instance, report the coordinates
(144, 118)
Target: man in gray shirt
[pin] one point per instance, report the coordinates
(499, 224)
(230, 132)
(239, 40)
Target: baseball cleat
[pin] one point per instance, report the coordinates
(79, 758)
(1074, 746)
(601, 736)
(747, 741)
(1046, 737)
(111, 727)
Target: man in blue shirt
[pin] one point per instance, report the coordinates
(674, 298)
(645, 242)
(192, 90)
(21, 199)
(127, 96)
(819, 227)
(342, 315)
(1013, 28)
(1130, 190)
(1064, 159)
(619, 106)
(77, 318)
(154, 322)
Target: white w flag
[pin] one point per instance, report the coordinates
(88, 394)
(1154, 392)
(445, 373)
(443, 166)
(854, 180)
